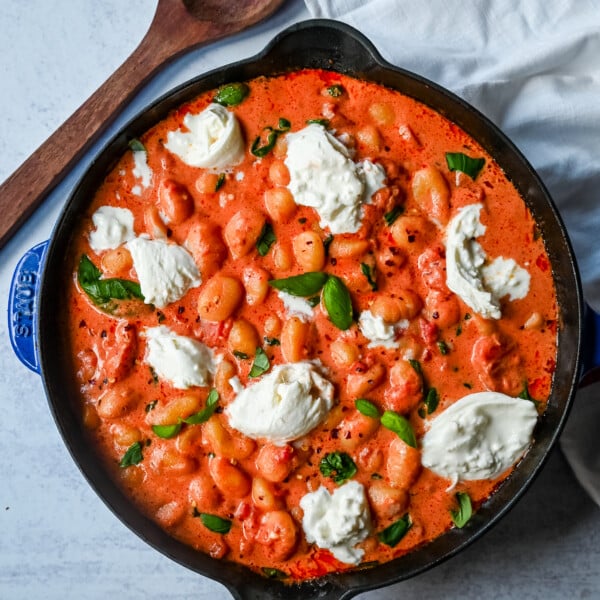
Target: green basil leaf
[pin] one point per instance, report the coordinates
(335, 91)
(136, 145)
(524, 395)
(400, 426)
(369, 273)
(207, 412)
(261, 151)
(284, 125)
(391, 535)
(337, 465)
(166, 431)
(214, 523)
(416, 365)
(322, 122)
(273, 573)
(261, 363)
(432, 399)
(314, 301)
(272, 341)
(443, 348)
(338, 304)
(464, 512)
(457, 161)
(240, 355)
(391, 216)
(133, 456)
(220, 182)
(231, 94)
(266, 239)
(367, 408)
(306, 284)
(101, 291)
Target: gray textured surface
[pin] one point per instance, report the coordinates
(58, 540)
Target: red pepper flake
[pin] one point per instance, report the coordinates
(542, 262)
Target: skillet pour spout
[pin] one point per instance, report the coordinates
(319, 44)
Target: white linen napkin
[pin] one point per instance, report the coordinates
(533, 68)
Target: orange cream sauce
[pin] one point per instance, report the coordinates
(188, 474)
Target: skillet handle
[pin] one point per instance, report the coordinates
(591, 348)
(22, 306)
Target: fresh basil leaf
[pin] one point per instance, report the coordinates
(207, 412)
(166, 431)
(273, 573)
(416, 365)
(368, 272)
(464, 512)
(338, 303)
(335, 91)
(261, 151)
(432, 399)
(524, 395)
(214, 523)
(231, 94)
(266, 239)
(400, 426)
(133, 456)
(322, 122)
(240, 355)
(136, 145)
(457, 161)
(261, 363)
(337, 465)
(284, 125)
(101, 291)
(391, 535)
(314, 301)
(220, 182)
(443, 348)
(306, 284)
(390, 217)
(272, 341)
(367, 408)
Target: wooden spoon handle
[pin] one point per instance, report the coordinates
(173, 30)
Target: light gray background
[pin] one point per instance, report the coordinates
(57, 539)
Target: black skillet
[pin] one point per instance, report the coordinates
(36, 302)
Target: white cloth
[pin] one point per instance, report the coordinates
(533, 68)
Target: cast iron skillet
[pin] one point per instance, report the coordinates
(326, 45)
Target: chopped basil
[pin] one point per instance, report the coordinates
(468, 385)
(133, 456)
(240, 355)
(261, 363)
(213, 522)
(337, 465)
(327, 242)
(391, 535)
(335, 91)
(524, 395)
(136, 146)
(266, 239)
(443, 348)
(432, 399)
(367, 408)
(166, 431)
(207, 412)
(273, 573)
(160, 316)
(151, 405)
(391, 216)
(416, 365)
(458, 330)
(231, 94)
(314, 301)
(306, 284)
(220, 182)
(154, 375)
(322, 122)
(338, 304)
(101, 291)
(369, 273)
(464, 512)
(376, 476)
(272, 341)
(457, 161)
(261, 151)
(400, 426)
(467, 316)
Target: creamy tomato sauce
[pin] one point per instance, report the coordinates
(238, 498)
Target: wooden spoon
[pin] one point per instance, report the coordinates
(178, 26)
